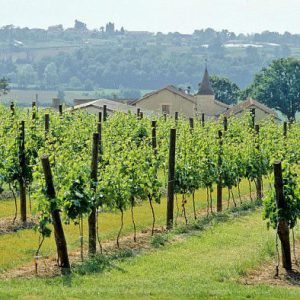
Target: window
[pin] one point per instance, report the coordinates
(166, 109)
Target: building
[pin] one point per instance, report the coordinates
(167, 100)
(205, 99)
(170, 100)
(261, 111)
(112, 106)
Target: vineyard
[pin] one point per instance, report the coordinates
(82, 180)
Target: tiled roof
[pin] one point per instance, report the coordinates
(205, 87)
(171, 89)
(247, 104)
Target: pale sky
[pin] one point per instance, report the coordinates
(185, 16)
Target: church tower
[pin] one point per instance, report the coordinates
(205, 98)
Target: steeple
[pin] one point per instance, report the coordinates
(205, 87)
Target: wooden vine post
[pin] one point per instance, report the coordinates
(99, 130)
(22, 183)
(99, 117)
(60, 240)
(154, 144)
(60, 109)
(176, 117)
(285, 129)
(191, 124)
(171, 178)
(219, 184)
(141, 115)
(259, 181)
(47, 123)
(92, 220)
(12, 108)
(138, 110)
(203, 119)
(34, 110)
(104, 113)
(282, 227)
(252, 113)
(225, 124)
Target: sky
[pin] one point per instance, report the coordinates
(240, 16)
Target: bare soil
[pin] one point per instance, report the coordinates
(267, 272)
(9, 225)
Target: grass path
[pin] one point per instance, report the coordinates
(204, 265)
(19, 248)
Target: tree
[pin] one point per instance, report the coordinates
(252, 54)
(75, 83)
(278, 86)
(4, 86)
(110, 28)
(50, 75)
(225, 90)
(79, 25)
(26, 75)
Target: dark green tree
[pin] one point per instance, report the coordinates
(278, 86)
(225, 90)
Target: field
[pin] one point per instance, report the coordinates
(207, 253)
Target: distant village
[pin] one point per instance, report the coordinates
(170, 100)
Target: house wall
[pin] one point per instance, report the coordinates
(259, 114)
(177, 103)
(206, 104)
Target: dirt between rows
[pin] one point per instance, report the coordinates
(266, 272)
(9, 225)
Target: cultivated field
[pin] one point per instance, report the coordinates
(114, 186)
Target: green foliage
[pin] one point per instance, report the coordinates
(225, 90)
(292, 197)
(278, 86)
(159, 240)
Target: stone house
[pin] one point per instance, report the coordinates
(261, 111)
(170, 100)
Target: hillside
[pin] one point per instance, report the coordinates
(82, 59)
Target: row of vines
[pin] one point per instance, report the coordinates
(98, 163)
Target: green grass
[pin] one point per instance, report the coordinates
(204, 265)
(26, 241)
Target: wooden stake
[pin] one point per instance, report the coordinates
(104, 113)
(282, 228)
(92, 220)
(60, 109)
(285, 129)
(259, 192)
(225, 124)
(47, 123)
(154, 145)
(22, 184)
(171, 178)
(60, 240)
(219, 184)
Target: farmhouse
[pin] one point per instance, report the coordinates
(169, 100)
(261, 111)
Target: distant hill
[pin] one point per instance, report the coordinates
(81, 59)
